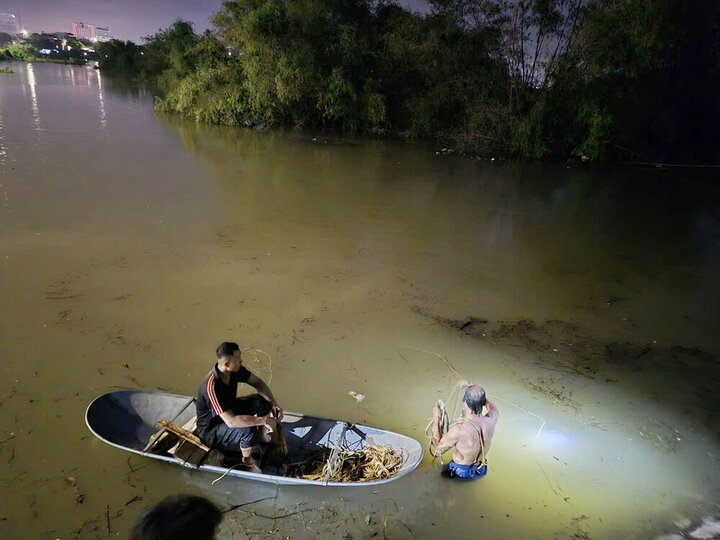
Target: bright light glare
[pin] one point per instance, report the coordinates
(553, 439)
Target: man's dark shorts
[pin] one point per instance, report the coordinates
(227, 438)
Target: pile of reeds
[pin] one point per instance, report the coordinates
(370, 463)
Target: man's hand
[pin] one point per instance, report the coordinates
(437, 412)
(264, 422)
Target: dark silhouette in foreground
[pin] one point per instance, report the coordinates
(178, 517)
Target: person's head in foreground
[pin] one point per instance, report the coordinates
(178, 517)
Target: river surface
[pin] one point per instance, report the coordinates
(132, 244)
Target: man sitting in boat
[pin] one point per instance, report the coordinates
(229, 423)
(469, 438)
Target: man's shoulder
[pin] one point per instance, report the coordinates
(203, 385)
(488, 421)
(461, 428)
(242, 375)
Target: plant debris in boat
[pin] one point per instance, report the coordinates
(371, 463)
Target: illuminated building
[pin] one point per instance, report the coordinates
(90, 32)
(10, 23)
(102, 33)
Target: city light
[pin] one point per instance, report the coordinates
(25, 33)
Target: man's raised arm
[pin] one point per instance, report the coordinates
(492, 410)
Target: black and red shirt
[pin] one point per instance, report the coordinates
(214, 397)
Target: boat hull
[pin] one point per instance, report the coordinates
(127, 418)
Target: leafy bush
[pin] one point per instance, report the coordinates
(539, 79)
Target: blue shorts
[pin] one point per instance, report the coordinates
(227, 438)
(465, 472)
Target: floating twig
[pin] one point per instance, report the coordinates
(10, 438)
(79, 497)
(236, 506)
(282, 516)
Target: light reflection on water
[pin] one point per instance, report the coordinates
(137, 243)
(3, 147)
(33, 95)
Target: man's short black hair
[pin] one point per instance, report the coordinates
(226, 348)
(178, 517)
(475, 398)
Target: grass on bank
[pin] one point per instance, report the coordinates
(22, 52)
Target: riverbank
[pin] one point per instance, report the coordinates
(5, 56)
(383, 70)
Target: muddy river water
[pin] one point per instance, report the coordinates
(585, 300)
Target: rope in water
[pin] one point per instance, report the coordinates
(257, 360)
(225, 474)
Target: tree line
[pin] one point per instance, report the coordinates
(43, 48)
(595, 79)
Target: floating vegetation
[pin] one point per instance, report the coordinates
(79, 497)
(370, 463)
(565, 348)
(6, 70)
(662, 436)
(553, 391)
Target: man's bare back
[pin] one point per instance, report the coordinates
(464, 438)
(469, 448)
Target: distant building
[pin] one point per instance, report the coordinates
(10, 23)
(90, 32)
(102, 33)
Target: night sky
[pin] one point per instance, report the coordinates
(127, 19)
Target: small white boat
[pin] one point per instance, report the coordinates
(127, 419)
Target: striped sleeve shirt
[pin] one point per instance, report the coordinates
(215, 397)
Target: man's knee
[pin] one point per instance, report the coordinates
(254, 405)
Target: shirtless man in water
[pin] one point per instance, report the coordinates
(470, 437)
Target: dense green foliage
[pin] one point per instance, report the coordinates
(535, 78)
(59, 50)
(641, 80)
(20, 51)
